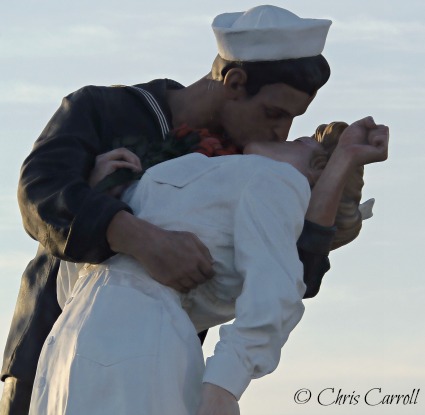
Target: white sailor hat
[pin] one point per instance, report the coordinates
(268, 33)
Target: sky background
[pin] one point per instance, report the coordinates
(365, 329)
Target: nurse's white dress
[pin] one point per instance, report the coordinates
(125, 344)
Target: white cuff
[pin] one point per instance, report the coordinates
(227, 372)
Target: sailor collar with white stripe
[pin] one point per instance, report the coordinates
(154, 94)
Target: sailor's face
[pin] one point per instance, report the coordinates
(266, 116)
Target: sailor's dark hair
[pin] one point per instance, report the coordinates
(305, 74)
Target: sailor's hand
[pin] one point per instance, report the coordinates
(176, 259)
(217, 401)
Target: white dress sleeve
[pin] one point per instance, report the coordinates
(268, 221)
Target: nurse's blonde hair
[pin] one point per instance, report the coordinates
(348, 219)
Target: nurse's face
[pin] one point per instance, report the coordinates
(305, 154)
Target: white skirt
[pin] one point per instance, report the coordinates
(123, 345)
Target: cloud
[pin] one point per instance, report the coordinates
(9, 214)
(375, 93)
(14, 261)
(115, 33)
(29, 93)
(391, 35)
(72, 40)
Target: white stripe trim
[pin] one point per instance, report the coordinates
(156, 108)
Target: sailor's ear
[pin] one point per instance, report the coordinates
(235, 83)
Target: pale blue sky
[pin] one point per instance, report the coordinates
(365, 329)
